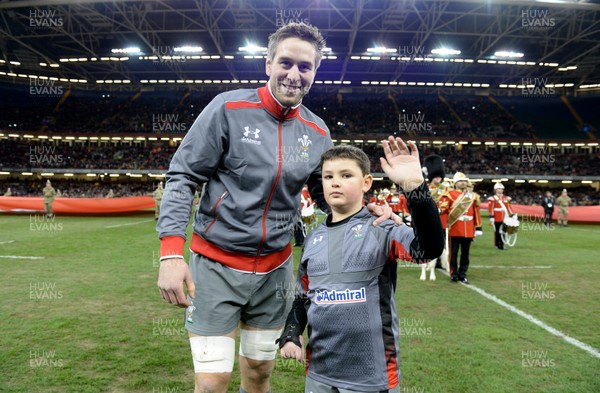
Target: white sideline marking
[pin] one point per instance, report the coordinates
(510, 267)
(8, 241)
(486, 267)
(131, 223)
(589, 349)
(19, 257)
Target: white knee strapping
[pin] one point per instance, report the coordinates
(213, 354)
(259, 344)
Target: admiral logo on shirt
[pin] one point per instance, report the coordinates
(341, 297)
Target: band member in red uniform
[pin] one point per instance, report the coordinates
(397, 201)
(464, 223)
(382, 197)
(499, 207)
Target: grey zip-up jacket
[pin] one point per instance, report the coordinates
(254, 156)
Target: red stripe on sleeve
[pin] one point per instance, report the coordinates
(392, 369)
(305, 282)
(397, 250)
(313, 126)
(242, 104)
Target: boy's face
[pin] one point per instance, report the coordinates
(292, 70)
(344, 185)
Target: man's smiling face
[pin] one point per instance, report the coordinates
(291, 71)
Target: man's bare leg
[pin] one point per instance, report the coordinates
(256, 373)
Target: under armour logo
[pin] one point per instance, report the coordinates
(248, 132)
(317, 239)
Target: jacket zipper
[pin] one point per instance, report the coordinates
(264, 217)
(224, 195)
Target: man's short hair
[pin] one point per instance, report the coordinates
(300, 30)
(350, 153)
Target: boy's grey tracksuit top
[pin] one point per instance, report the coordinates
(253, 156)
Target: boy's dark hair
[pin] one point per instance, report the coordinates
(301, 30)
(350, 153)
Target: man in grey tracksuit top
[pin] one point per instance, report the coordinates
(254, 156)
(253, 149)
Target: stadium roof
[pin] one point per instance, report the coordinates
(559, 40)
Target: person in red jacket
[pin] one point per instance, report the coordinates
(499, 207)
(464, 223)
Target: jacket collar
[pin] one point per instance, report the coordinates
(273, 106)
(359, 214)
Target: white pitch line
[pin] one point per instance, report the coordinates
(581, 345)
(487, 267)
(8, 241)
(131, 223)
(19, 257)
(510, 267)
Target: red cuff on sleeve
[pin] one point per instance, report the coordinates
(171, 245)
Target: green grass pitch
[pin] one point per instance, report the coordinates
(88, 316)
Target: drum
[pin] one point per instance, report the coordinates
(509, 230)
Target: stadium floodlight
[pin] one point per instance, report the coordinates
(445, 51)
(188, 49)
(381, 50)
(508, 54)
(131, 49)
(251, 48)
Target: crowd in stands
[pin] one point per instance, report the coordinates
(479, 159)
(523, 194)
(344, 114)
(518, 161)
(24, 154)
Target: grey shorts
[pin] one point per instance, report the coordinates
(224, 297)
(313, 386)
